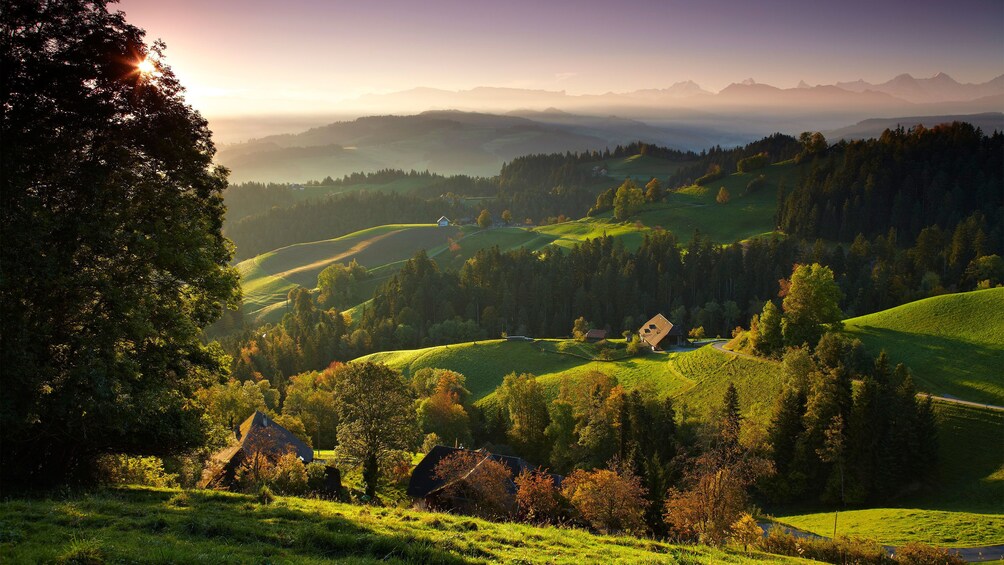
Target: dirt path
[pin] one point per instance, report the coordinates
(335, 258)
(720, 346)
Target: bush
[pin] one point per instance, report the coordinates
(697, 333)
(922, 554)
(609, 500)
(753, 163)
(289, 475)
(840, 550)
(126, 469)
(536, 497)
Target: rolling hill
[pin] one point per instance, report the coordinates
(963, 511)
(953, 343)
(269, 277)
(161, 525)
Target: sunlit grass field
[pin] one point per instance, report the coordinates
(953, 344)
(150, 525)
(696, 378)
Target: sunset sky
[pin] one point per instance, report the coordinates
(257, 57)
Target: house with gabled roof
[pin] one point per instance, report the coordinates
(428, 490)
(259, 434)
(659, 333)
(443, 221)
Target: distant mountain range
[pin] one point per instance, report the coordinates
(904, 90)
(474, 131)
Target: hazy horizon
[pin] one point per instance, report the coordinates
(313, 57)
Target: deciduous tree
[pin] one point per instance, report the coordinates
(113, 258)
(376, 415)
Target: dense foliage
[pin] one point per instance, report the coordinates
(906, 181)
(112, 258)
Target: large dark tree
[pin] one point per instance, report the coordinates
(112, 258)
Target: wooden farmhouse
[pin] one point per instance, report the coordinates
(595, 335)
(659, 333)
(259, 434)
(431, 492)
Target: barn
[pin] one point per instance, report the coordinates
(258, 434)
(659, 333)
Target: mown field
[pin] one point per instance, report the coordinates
(953, 344)
(151, 525)
(696, 378)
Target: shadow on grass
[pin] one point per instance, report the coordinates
(163, 525)
(939, 363)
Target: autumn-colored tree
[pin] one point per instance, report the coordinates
(507, 217)
(723, 196)
(477, 479)
(580, 328)
(745, 531)
(717, 483)
(484, 219)
(609, 500)
(536, 496)
(653, 190)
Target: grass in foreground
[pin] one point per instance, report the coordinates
(953, 344)
(174, 526)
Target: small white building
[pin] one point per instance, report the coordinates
(443, 222)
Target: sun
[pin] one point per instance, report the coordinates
(146, 67)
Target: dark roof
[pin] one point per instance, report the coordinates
(658, 329)
(261, 433)
(596, 334)
(423, 482)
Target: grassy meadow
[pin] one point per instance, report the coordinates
(157, 525)
(953, 344)
(696, 378)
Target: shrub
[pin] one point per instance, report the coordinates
(840, 550)
(609, 500)
(536, 497)
(921, 554)
(753, 163)
(697, 333)
(714, 173)
(289, 475)
(745, 531)
(127, 469)
(723, 196)
(265, 495)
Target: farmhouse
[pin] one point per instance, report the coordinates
(595, 335)
(660, 333)
(443, 221)
(259, 434)
(429, 492)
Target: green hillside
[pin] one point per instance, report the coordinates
(970, 476)
(697, 378)
(266, 279)
(149, 525)
(953, 343)
(269, 277)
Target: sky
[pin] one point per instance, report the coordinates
(251, 57)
